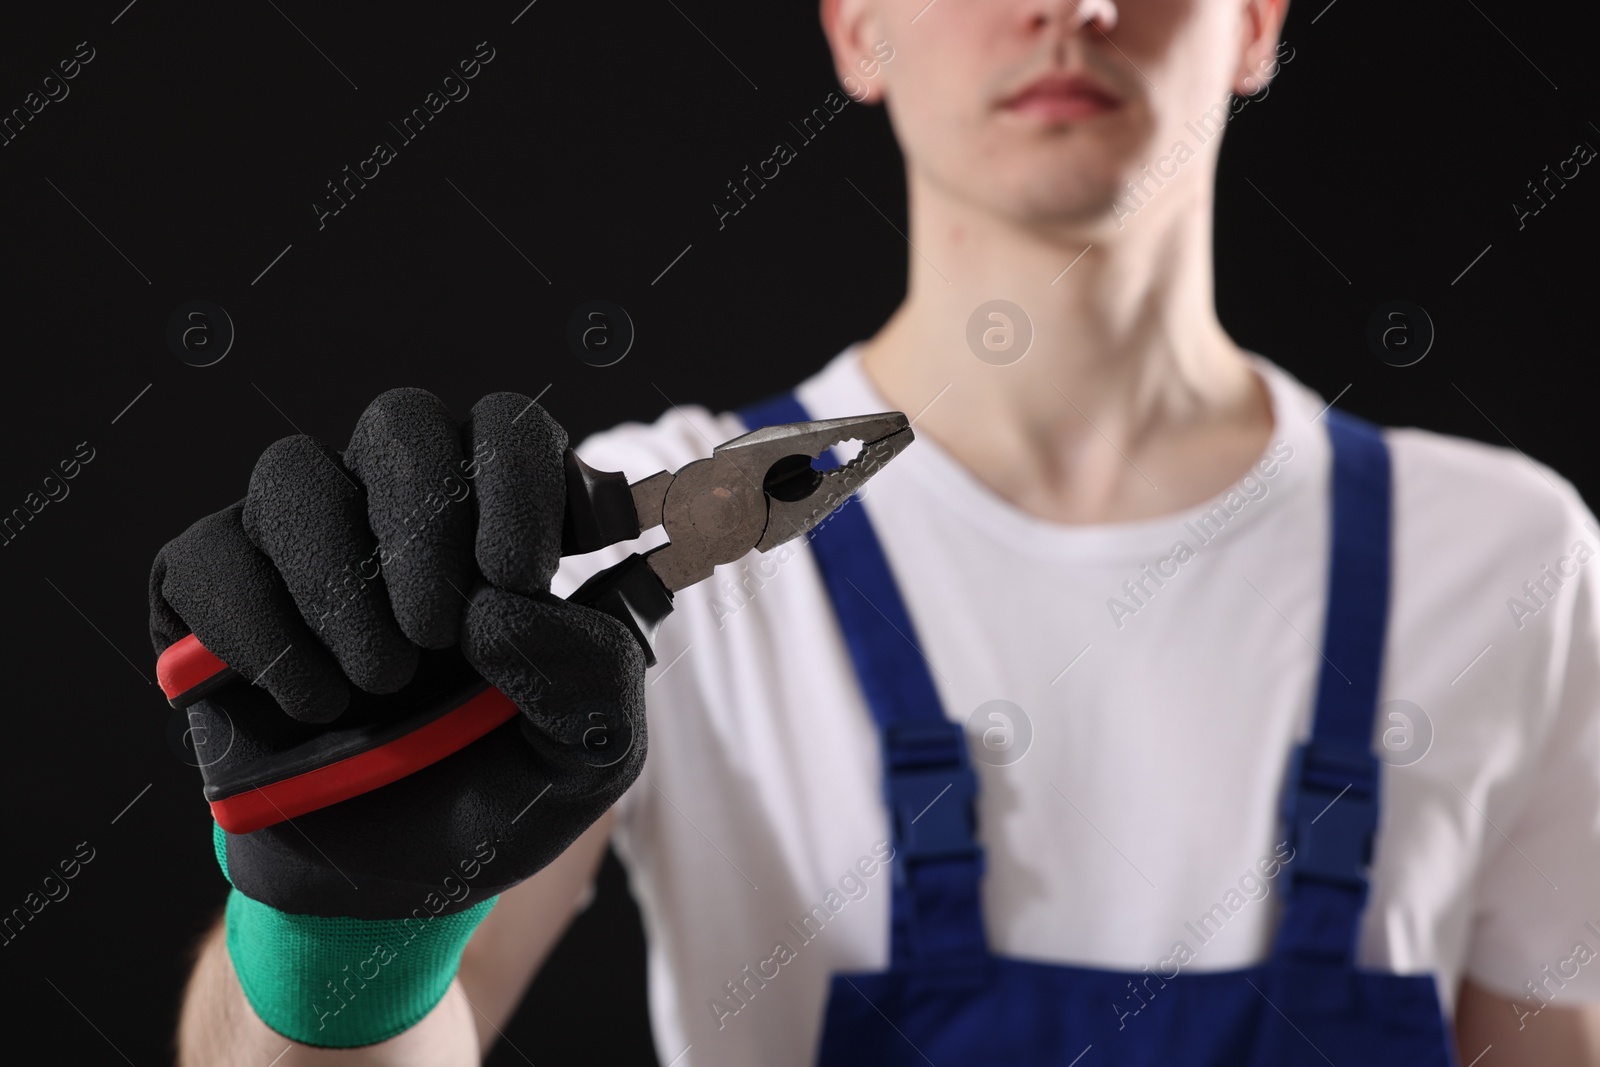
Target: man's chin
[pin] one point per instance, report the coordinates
(1056, 210)
(1045, 200)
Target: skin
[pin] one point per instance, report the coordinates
(1132, 401)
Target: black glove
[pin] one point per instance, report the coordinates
(425, 544)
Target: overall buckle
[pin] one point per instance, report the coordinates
(931, 789)
(1330, 809)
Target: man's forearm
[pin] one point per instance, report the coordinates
(218, 1028)
(1495, 1030)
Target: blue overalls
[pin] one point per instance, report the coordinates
(946, 1000)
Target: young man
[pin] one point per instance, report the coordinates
(1114, 558)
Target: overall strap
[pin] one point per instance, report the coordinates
(935, 910)
(1330, 801)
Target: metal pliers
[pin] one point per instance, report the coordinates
(753, 492)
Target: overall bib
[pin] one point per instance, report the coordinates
(948, 1001)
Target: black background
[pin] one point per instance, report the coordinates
(196, 141)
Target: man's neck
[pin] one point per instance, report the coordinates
(1131, 401)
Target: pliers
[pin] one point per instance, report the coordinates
(756, 491)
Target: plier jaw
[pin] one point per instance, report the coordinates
(760, 490)
(753, 492)
(800, 496)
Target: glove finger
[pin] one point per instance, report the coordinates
(576, 674)
(309, 516)
(521, 491)
(210, 580)
(406, 451)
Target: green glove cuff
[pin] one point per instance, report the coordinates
(339, 982)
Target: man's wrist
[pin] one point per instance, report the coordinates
(336, 982)
(339, 982)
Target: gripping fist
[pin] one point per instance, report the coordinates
(427, 547)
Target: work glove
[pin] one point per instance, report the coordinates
(340, 577)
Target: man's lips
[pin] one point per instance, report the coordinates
(1056, 97)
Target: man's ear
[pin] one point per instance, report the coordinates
(851, 27)
(1260, 23)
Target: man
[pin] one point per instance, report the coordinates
(1113, 554)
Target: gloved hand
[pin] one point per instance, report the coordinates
(346, 925)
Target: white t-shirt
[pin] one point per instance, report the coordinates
(1143, 812)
